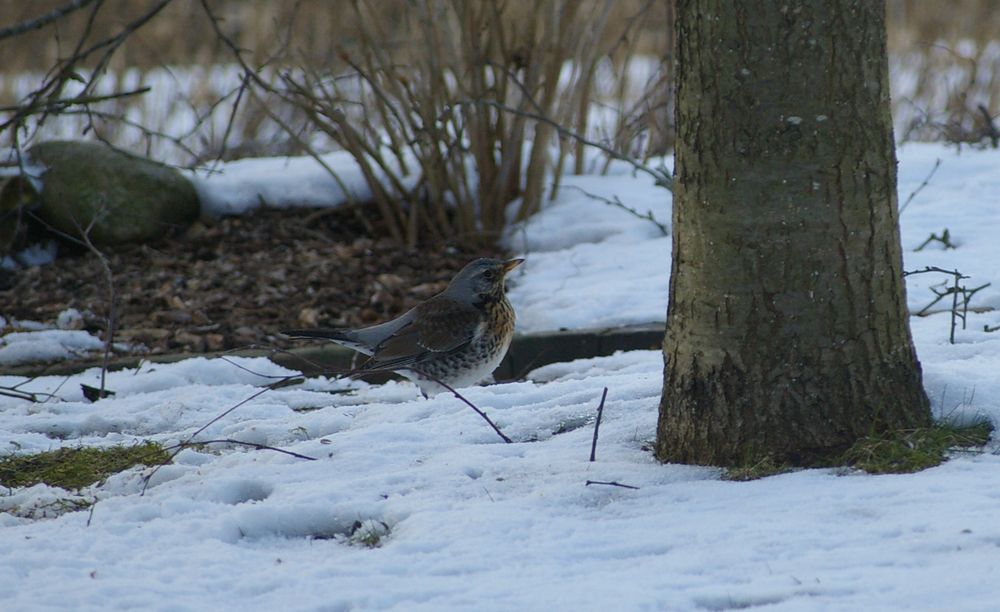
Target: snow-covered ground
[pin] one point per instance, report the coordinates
(465, 521)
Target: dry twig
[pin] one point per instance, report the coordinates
(610, 484)
(597, 425)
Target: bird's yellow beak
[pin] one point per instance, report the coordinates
(511, 264)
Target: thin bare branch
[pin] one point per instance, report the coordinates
(30, 396)
(927, 179)
(40, 22)
(617, 203)
(112, 299)
(255, 445)
(461, 397)
(661, 178)
(610, 484)
(597, 425)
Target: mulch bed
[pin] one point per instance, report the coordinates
(237, 281)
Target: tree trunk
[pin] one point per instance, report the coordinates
(787, 332)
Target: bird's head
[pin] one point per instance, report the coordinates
(482, 280)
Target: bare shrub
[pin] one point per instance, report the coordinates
(438, 104)
(439, 101)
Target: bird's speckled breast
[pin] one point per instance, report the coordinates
(482, 355)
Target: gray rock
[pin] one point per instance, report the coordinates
(119, 197)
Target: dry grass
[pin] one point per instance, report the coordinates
(915, 22)
(945, 56)
(180, 35)
(319, 28)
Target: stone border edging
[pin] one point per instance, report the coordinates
(527, 352)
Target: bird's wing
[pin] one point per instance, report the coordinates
(439, 325)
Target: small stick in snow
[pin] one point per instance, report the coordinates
(363, 370)
(611, 484)
(112, 309)
(184, 445)
(31, 396)
(502, 435)
(188, 442)
(283, 380)
(597, 426)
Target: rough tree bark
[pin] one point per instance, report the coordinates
(787, 332)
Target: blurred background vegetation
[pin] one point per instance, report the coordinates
(415, 89)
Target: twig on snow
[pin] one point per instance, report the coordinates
(611, 483)
(183, 445)
(597, 425)
(502, 435)
(957, 288)
(191, 438)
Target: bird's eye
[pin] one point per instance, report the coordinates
(488, 275)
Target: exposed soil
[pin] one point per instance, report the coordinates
(236, 282)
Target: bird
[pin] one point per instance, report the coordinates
(457, 337)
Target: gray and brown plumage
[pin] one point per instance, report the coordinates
(458, 337)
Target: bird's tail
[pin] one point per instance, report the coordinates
(345, 337)
(319, 332)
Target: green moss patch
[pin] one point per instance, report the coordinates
(916, 449)
(73, 468)
(761, 469)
